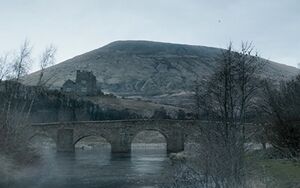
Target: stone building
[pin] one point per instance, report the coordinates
(85, 84)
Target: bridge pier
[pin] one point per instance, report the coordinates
(64, 142)
(175, 142)
(121, 142)
(118, 148)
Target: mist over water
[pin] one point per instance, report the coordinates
(146, 166)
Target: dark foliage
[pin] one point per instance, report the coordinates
(161, 113)
(54, 102)
(282, 105)
(181, 115)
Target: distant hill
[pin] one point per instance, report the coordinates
(158, 71)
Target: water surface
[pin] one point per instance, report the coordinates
(146, 166)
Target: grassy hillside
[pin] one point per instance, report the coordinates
(163, 72)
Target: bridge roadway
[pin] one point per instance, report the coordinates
(119, 133)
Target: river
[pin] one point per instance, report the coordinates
(147, 166)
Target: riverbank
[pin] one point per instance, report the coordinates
(281, 173)
(261, 170)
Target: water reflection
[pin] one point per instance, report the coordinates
(144, 167)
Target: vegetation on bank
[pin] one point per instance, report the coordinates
(235, 95)
(282, 111)
(285, 173)
(272, 170)
(15, 150)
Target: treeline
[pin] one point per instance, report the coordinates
(43, 105)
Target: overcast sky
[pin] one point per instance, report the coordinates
(78, 26)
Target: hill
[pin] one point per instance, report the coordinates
(161, 72)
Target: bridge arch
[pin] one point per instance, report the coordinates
(43, 141)
(158, 136)
(169, 135)
(43, 134)
(93, 136)
(79, 137)
(162, 132)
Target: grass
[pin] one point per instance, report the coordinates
(282, 169)
(277, 173)
(285, 173)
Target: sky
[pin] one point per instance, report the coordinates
(79, 26)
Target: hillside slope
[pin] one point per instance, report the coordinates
(151, 70)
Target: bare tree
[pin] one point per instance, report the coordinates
(228, 97)
(47, 59)
(16, 102)
(20, 67)
(22, 60)
(4, 67)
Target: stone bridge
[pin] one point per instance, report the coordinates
(119, 133)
